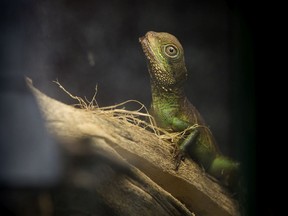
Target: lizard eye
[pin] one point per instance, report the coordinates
(171, 51)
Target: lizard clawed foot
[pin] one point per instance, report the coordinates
(178, 157)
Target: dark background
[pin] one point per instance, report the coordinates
(84, 43)
(89, 43)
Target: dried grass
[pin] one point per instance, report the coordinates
(139, 117)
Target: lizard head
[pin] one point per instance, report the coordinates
(165, 57)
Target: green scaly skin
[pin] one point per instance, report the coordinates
(172, 110)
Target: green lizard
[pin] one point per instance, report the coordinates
(172, 110)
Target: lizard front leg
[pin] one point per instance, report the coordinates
(180, 125)
(183, 147)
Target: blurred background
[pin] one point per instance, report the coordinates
(87, 43)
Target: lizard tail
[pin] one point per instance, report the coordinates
(226, 170)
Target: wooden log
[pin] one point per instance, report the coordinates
(129, 168)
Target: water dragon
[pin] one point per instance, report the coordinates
(173, 111)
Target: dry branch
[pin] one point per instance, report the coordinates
(133, 170)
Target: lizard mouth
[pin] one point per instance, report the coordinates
(146, 47)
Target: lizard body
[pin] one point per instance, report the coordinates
(172, 110)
